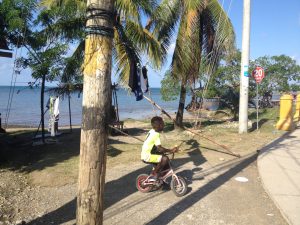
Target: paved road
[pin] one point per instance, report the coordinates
(214, 196)
(279, 168)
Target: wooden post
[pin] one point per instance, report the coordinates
(42, 107)
(95, 112)
(70, 114)
(1, 129)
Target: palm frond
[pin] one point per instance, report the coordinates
(204, 35)
(126, 53)
(81, 4)
(187, 54)
(73, 65)
(219, 36)
(146, 42)
(165, 19)
(133, 9)
(66, 21)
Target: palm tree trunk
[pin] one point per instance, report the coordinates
(95, 117)
(42, 107)
(193, 104)
(179, 115)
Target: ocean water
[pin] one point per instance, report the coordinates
(25, 106)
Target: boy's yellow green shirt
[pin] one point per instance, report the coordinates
(153, 138)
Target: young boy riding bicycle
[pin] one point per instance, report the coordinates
(152, 151)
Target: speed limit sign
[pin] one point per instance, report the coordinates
(258, 74)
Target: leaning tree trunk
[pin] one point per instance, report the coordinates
(95, 112)
(179, 115)
(42, 107)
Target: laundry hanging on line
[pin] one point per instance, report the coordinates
(135, 81)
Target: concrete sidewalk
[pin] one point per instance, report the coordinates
(279, 169)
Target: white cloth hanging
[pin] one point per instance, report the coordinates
(56, 107)
(144, 79)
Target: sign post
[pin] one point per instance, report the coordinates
(258, 74)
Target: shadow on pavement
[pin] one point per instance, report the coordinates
(170, 214)
(115, 191)
(67, 212)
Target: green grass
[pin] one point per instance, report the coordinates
(267, 113)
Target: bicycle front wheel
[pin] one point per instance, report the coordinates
(178, 186)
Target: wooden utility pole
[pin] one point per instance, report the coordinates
(95, 112)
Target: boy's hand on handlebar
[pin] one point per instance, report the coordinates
(175, 149)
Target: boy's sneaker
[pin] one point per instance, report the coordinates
(152, 178)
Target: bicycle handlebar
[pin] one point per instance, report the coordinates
(170, 153)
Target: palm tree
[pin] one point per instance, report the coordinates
(204, 33)
(130, 38)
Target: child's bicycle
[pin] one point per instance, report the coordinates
(178, 184)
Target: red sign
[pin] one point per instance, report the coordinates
(258, 74)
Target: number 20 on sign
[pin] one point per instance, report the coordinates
(258, 74)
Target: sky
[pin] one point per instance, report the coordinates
(275, 30)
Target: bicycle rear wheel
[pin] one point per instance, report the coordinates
(139, 183)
